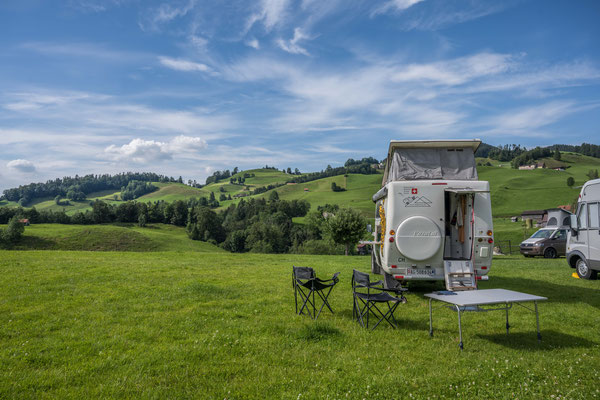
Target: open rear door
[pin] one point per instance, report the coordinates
(459, 271)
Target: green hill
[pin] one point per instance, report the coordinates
(513, 191)
(125, 237)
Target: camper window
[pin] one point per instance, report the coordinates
(594, 217)
(582, 216)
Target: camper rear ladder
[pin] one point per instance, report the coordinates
(460, 275)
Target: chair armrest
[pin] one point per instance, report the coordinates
(334, 278)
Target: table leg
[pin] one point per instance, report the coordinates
(537, 321)
(459, 328)
(507, 325)
(430, 320)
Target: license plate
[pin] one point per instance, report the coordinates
(421, 271)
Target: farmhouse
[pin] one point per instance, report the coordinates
(533, 166)
(538, 216)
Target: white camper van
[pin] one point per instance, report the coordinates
(583, 240)
(433, 217)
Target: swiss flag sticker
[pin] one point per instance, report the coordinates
(413, 191)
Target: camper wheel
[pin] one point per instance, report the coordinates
(585, 272)
(375, 267)
(550, 253)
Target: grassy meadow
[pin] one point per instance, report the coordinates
(175, 325)
(117, 237)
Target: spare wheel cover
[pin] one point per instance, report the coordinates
(418, 238)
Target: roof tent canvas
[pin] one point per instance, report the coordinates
(431, 159)
(558, 218)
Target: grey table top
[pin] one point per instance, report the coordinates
(485, 296)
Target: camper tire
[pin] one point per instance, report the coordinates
(550, 252)
(584, 271)
(375, 267)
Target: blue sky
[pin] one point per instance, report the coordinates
(190, 87)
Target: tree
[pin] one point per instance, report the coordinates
(557, 155)
(296, 171)
(289, 170)
(274, 196)
(592, 174)
(57, 199)
(347, 227)
(13, 231)
(142, 221)
(570, 181)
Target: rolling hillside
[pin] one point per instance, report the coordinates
(513, 191)
(124, 237)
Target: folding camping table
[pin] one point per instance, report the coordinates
(476, 300)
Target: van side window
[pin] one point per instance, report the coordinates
(562, 234)
(582, 216)
(594, 215)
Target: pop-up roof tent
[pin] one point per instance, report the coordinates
(558, 218)
(409, 160)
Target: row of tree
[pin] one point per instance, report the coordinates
(78, 187)
(532, 155)
(135, 189)
(258, 225)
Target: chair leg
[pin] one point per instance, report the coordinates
(306, 303)
(324, 298)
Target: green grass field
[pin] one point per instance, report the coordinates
(122, 237)
(175, 325)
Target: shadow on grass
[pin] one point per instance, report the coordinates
(31, 243)
(403, 322)
(208, 292)
(527, 341)
(554, 292)
(318, 331)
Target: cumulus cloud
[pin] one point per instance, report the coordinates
(145, 151)
(21, 166)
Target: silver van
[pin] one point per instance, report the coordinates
(583, 240)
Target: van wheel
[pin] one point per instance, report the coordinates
(550, 253)
(585, 272)
(375, 267)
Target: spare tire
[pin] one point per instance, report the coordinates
(418, 238)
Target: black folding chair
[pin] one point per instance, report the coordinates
(306, 284)
(368, 294)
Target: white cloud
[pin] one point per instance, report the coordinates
(397, 5)
(21, 166)
(253, 43)
(146, 151)
(186, 143)
(155, 18)
(292, 46)
(455, 72)
(442, 13)
(183, 65)
(271, 14)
